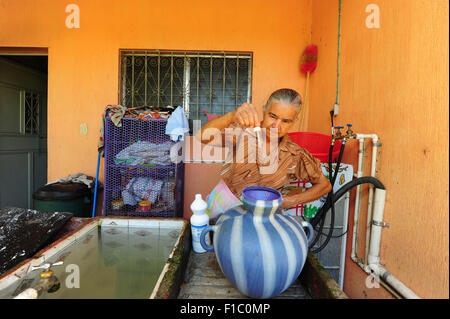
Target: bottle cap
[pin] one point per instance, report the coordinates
(198, 205)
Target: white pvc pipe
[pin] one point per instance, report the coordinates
(375, 239)
(371, 187)
(374, 252)
(392, 281)
(357, 200)
(361, 138)
(344, 240)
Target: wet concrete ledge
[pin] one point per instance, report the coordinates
(203, 279)
(319, 283)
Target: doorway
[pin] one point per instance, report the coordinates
(23, 126)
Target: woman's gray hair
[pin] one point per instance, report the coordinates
(286, 96)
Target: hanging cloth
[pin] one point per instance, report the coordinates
(115, 113)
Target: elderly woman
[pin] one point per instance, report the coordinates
(280, 113)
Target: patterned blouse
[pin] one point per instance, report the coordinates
(242, 170)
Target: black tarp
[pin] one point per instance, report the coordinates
(23, 232)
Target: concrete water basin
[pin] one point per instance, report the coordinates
(117, 258)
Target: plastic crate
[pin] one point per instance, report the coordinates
(120, 170)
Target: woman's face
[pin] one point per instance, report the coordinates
(280, 116)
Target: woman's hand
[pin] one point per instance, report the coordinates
(290, 201)
(247, 115)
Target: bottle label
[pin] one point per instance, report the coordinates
(196, 232)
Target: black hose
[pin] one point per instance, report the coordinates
(344, 189)
(331, 196)
(329, 199)
(338, 163)
(341, 192)
(317, 218)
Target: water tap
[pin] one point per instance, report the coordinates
(47, 272)
(349, 134)
(337, 135)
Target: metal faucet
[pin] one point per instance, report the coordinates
(47, 272)
(47, 283)
(338, 135)
(349, 134)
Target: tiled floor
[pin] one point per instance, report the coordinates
(204, 279)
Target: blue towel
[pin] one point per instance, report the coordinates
(177, 125)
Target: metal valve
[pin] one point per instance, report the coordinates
(349, 133)
(338, 135)
(47, 272)
(47, 265)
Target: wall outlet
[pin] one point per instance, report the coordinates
(83, 129)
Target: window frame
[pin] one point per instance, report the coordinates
(186, 72)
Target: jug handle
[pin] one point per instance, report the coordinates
(310, 230)
(203, 235)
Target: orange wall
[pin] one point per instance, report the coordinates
(393, 82)
(83, 63)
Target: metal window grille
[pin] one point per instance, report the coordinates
(32, 107)
(217, 82)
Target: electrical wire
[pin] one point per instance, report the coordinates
(338, 53)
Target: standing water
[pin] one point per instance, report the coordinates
(113, 262)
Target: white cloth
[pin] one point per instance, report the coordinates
(177, 125)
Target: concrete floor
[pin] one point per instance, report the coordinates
(204, 280)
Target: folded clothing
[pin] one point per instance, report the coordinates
(143, 152)
(140, 189)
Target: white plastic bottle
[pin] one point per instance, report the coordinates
(199, 221)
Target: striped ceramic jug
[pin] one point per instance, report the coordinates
(259, 250)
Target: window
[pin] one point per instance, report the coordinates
(32, 106)
(217, 82)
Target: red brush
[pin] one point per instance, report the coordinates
(309, 59)
(308, 65)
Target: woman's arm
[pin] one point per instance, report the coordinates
(246, 115)
(218, 123)
(297, 196)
